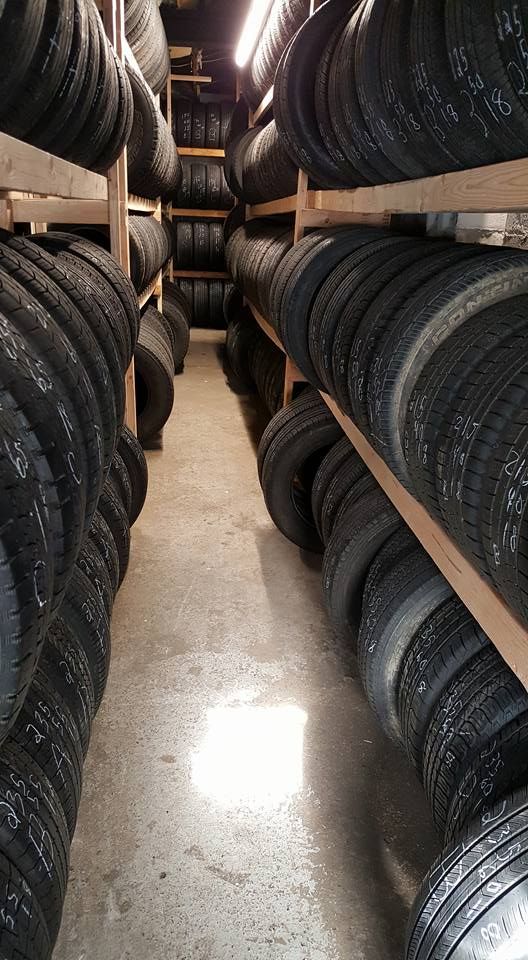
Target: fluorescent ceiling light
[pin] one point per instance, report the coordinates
(255, 18)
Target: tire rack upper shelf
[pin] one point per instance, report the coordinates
(27, 169)
(201, 152)
(498, 188)
(502, 627)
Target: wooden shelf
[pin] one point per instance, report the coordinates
(30, 170)
(142, 204)
(201, 275)
(263, 107)
(199, 214)
(201, 152)
(503, 628)
(59, 210)
(190, 78)
(499, 188)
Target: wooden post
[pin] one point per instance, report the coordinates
(6, 213)
(114, 21)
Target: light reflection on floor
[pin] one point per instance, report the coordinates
(251, 756)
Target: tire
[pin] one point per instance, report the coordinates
(133, 457)
(64, 660)
(340, 453)
(198, 125)
(426, 320)
(484, 868)
(45, 730)
(471, 715)
(41, 815)
(289, 455)
(179, 325)
(184, 246)
(27, 571)
(212, 126)
(403, 588)
(342, 486)
(23, 930)
(367, 524)
(112, 509)
(92, 564)
(154, 378)
(443, 646)
(183, 112)
(83, 613)
(101, 537)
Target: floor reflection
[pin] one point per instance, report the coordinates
(251, 756)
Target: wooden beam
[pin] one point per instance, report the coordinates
(201, 152)
(499, 188)
(273, 207)
(59, 210)
(300, 204)
(201, 275)
(149, 291)
(190, 78)
(199, 214)
(26, 168)
(336, 218)
(265, 104)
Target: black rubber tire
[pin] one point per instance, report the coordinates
(92, 564)
(341, 489)
(154, 377)
(112, 509)
(212, 126)
(482, 700)
(403, 588)
(198, 125)
(101, 537)
(184, 246)
(133, 457)
(487, 867)
(440, 649)
(64, 658)
(290, 452)
(83, 613)
(340, 453)
(183, 121)
(23, 929)
(26, 573)
(363, 530)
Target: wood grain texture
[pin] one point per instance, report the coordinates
(26, 168)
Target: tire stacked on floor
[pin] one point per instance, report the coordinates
(154, 166)
(370, 93)
(151, 248)
(255, 363)
(203, 186)
(437, 685)
(406, 334)
(69, 320)
(284, 19)
(146, 35)
(63, 88)
(198, 245)
(257, 166)
(201, 125)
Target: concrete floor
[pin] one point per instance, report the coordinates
(239, 799)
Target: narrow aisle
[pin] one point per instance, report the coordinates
(239, 798)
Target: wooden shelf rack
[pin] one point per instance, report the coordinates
(201, 152)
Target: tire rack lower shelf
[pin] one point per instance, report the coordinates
(201, 152)
(501, 625)
(198, 214)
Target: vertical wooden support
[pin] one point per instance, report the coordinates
(6, 213)
(302, 200)
(114, 21)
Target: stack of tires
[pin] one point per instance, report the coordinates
(205, 299)
(258, 167)
(422, 343)
(203, 186)
(146, 35)
(160, 352)
(254, 362)
(151, 248)
(437, 685)
(284, 19)
(198, 245)
(63, 88)
(154, 166)
(370, 92)
(201, 125)
(72, 483)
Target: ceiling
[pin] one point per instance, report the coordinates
(203, 23)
